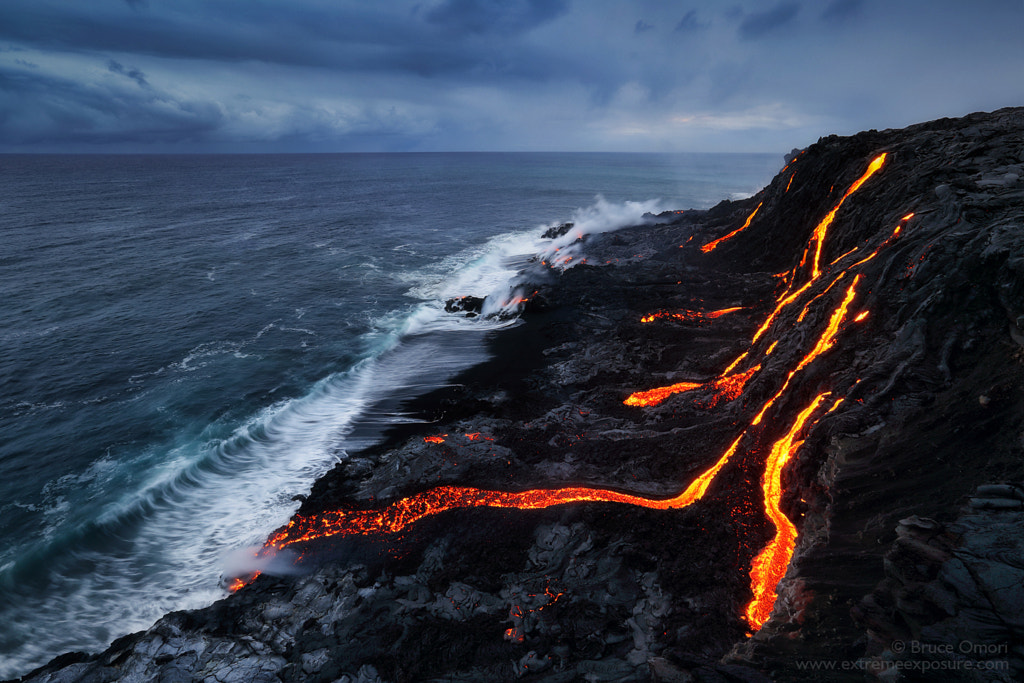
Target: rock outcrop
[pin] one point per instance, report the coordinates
(915, 321)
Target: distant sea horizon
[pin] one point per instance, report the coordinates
(216, 153)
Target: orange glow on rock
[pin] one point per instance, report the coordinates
(653, 397)
(770, 565)
(825, 342)
(707, 248)
(238, 584)
(717, 314)
(803, 313)
(399, 515)
(696, 316)
(818, 237)
(725, 388)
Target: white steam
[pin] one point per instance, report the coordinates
(247, 561)
(560, 253)
(601, 216)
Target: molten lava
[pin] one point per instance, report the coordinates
(695, 316)
(770, 565)
(727, 388)
(406, 511)
(711, 245)
(818, 237)
(825, 342)
(238, 584)
(653, 397)
(807, 306)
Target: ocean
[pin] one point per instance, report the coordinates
(188, 342)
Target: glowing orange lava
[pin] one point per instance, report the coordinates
(818, 236)
(770, 564)
(698, 316)
(653, 397)
(711, 245)
(825, 342)
(238, 584)
(728, 388)
(807, 306)
(837, 259)
(711, 315)
(399, 515)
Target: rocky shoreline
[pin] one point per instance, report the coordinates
(908, 305)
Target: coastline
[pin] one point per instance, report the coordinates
(624, 593)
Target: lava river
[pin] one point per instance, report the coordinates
(817, 287)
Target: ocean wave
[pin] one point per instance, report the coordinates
(495, 270)
(185, 507)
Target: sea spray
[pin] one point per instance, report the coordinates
(163, 402)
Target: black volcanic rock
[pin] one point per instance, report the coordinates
(471, 306)
(557, 231)
(953, 590)
(932, 383)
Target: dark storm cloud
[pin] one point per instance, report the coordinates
(759, 24)
(494, 16)
(840, 10)
(297, 35)
(495, 74)
(46, 110)
(690, 23)
(262, 33)
(134, 74)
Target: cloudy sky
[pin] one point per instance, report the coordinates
(398, 75)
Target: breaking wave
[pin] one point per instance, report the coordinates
(186, 506)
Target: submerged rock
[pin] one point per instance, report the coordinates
(472, 306)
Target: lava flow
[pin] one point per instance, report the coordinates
(770, 564)
(724, 388)
(818, 238)
(691, 316)
(710, 246)
(406, 511)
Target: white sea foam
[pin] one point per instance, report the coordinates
(494, 271)
(170, 537)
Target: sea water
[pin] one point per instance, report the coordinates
(188, 342)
